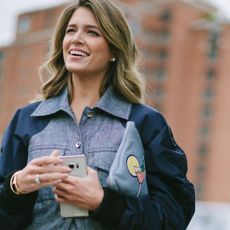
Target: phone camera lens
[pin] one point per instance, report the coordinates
(77, 165)
(71, 165)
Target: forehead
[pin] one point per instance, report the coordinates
(83, 15)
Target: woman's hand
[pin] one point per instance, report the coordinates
(83, 192)
(42, 172)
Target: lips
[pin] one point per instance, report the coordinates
(78, 53)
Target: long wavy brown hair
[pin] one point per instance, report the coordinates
(122, 75)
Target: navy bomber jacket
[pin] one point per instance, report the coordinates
(171, 200)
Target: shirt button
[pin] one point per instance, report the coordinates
(78, 144)
(89, 114)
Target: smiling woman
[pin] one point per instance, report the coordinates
(86, 52)
(94, 91)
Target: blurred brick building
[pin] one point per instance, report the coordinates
(184, 51)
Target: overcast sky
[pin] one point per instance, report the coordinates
(11, 8)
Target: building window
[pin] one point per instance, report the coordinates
(203, 150)
(213, 53)
(164, 36)
(160, 74)
(2, 56)
(204, 133)
(149, 37)
(135, 26)
(207, 113)
(1, 74)
(211, 75)
(166, 16)
(200, 170)
(50, 19)
(208, 95)
(2, 59)
(199, 187)
(163, 54)
(158, 95)
(213, 45)
(24, 25)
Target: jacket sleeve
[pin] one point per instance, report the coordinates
(15, 210)
(171, 200)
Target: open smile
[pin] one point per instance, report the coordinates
(78, 53)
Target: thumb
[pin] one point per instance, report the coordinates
(91, 171)
(55, 153)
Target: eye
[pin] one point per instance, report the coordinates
(69, 30)
(93, 32)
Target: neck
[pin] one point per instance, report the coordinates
(86, 93)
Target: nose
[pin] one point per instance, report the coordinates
(78, 37)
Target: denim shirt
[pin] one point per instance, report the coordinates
(97, 135)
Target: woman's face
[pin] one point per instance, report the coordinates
(85, 50)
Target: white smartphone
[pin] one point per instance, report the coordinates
(77, 164)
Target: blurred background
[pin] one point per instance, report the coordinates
(185, 53)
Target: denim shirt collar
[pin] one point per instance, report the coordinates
(110, 102)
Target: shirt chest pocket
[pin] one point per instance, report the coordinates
(37, 151)
(101, 161)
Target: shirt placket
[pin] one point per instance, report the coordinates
(86, 126)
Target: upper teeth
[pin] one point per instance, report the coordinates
(78, 52)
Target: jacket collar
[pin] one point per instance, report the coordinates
(113, 104)
(110, 103)
(53, 105)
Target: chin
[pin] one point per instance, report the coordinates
(72, 68)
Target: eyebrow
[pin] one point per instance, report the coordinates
(87, 26)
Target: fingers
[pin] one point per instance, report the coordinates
(51, 159)
(90, 170)
(47, 160)
(52, 177)
(63, 191)
(36, 167)
(53, 169)
(42, 172)
(84, 192)
(55, 153)
(35, 186)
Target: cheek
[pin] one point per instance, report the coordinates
(103, 50)
(65, 43)
(64, 49)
